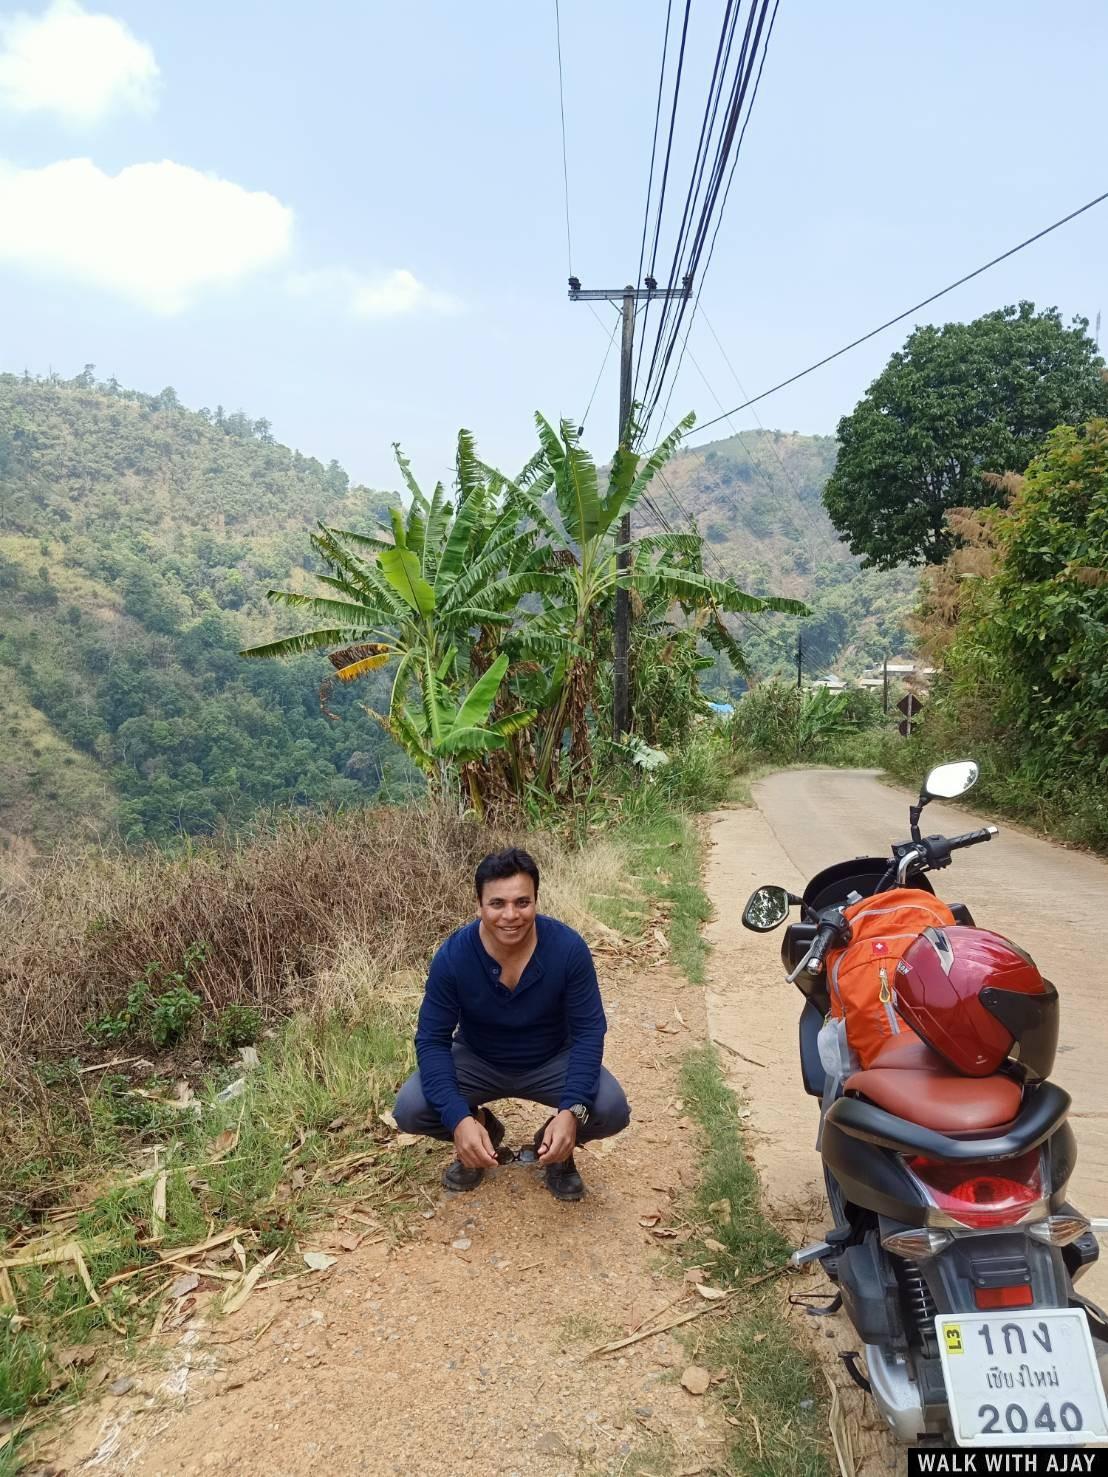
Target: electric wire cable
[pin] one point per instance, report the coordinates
(663, 522)
(890, 322)
(665, 172)
(745, 71)
(703, 276)
(723, 50)
(786, 471)
(562, 110)
(603, 364)
(763, 475)
(693, 193)
(654, 140)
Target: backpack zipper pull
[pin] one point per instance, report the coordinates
(886, 993)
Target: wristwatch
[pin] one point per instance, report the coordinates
(581, 1112)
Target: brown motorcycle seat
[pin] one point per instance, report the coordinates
(907, 1052)
(933, 1096)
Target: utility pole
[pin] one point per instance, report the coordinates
(629, 297)
(885, 685)
(799, 660)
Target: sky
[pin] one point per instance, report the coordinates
(349, 218)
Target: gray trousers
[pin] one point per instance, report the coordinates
(481, 1082)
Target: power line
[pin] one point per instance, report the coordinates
(723, 207)
(663, 522)
(603, 362)
(654, 140)
(723, 49)
(761, 472)
(743, 74)
(724, 570)
(712, 204)
(786, 471)
(742, 80)
(562, 110)
(889, 323)
(665, 170)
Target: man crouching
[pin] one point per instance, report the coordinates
(511, 1009)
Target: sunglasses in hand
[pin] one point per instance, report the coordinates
(527, 1155)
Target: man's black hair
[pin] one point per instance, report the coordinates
(500, 864)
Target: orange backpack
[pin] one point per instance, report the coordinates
(861, 976)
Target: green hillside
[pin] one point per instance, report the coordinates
(758, 501)
(137, 540)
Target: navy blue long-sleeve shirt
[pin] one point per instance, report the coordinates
(556, 1004)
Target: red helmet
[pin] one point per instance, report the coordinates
(978, 999)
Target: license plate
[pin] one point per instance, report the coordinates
(1022, 1379)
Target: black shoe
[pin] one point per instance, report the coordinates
(456, 1176)
(562, 1180)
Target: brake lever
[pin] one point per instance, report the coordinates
(790, 979)
(915, 855)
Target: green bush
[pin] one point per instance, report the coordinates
(159, 1005)
(235, 1026)
(782, 724)
(1025, 681)
(171, 1014)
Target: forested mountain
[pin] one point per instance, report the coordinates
(137, 540)
(757, 498)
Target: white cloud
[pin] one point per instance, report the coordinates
(383, 295)
(157, 234)
(73, 63)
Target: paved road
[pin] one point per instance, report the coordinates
(1052, 901)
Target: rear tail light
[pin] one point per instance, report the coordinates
(1059, 1230)
(1019, 1296)
(986, 1195)
(917, 1245)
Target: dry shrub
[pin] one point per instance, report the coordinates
(945, 588)
(271, 913)
(316, 914)
(570, 880)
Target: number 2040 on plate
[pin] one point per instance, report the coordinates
(1022, 1379)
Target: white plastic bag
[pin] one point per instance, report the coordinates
(835, 1052)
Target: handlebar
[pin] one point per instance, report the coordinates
(971, 838)
(826, 935)
(833, 929)
(932, 853)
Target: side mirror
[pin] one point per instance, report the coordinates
(766, 909)
(949, 780)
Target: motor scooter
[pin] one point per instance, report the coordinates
(954, 1248)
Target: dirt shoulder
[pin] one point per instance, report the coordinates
(461, 1349)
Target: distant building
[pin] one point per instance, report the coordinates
(901, 671)
(832, 681)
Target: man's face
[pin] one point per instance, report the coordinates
(507, 908)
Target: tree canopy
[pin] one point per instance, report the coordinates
(954, 405)
(1025, 676)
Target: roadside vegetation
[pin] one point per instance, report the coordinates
(772, 1396)
(1018, 620)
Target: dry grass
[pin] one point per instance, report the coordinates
(270, 913)
(312, 916)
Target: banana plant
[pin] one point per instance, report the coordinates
(445, 574)
(443, 734)
(589, 518)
